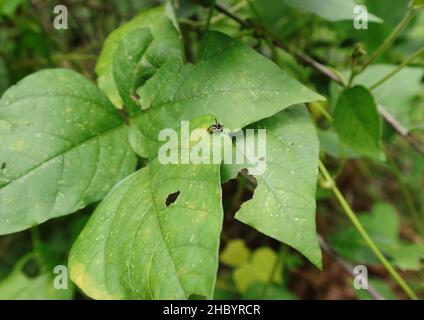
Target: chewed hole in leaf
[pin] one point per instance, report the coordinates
(171, 198)
(3, 165)
(239, 190)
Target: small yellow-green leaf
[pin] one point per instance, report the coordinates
(260, 269)
(235, 253)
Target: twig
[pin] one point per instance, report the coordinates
(400, 129)
(396, 125)
(391, 38)
(364, 234)
(346, 266)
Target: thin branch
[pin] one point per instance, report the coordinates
(347, 267)
(279, 43)
(391, 37)
(400, 129)
(364, 234)
(407, 61)
(331, 74)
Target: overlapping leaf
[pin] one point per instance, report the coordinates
(401, 95)
(128, 66)
(139, 245)
(166, 44)
(232, 81)
(283, 205)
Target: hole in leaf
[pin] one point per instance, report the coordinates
(31, 268)
(235, 192)
(3, 165)
(238, 191)
(171, 198)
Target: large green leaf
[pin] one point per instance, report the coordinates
(358, 123)
(166, 44)
(129, 66)
(283, 205)
(333, 10)
(63, 146)
(138, 246)
(232, 81)
(400, 94)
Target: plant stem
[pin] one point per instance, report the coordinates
(407, 61)
(390, 38)
(346, 266)
(210, 15)
(357, 224)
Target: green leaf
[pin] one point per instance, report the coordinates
(9, 7)
(283, 205)
(403, 255)
(137, 245)
(259, 269)
(63, 146)
(358, 123)
(232, 81)
(400, 94)
(331, 144)
(166, 44)
(333, 10)
(19, 286)
(129, 66)
(235, 253)
(382, 287)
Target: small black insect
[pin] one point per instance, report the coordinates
(216, 127)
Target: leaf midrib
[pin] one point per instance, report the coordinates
(62, 153)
